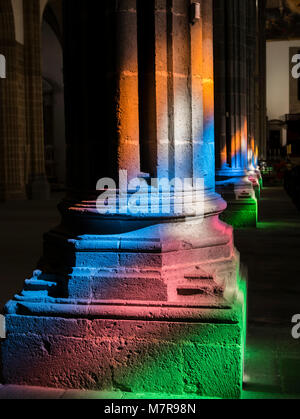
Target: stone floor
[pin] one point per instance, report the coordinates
(272, 254)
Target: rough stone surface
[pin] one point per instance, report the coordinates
(272, 356)
(131, 356)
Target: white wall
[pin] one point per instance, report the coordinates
(278, 77)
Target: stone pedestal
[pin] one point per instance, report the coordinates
(241, 195)
(152, 306)
(134, 349)
(152, 302)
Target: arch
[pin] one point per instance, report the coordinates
(43, 4)
(52, 18)
(56, 7)
(7, 22)
(17, 6)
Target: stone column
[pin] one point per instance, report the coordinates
(222, 86)
(251, 68)
(231, 112)
(261, 81)
(12, 111)
(148, 301)
(253, 140)
(36, 177)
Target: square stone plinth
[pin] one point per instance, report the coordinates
(202, 358)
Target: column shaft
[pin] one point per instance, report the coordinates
(261, 106)
(221, 84)
(13, 151)
(233, 96)
(101, 87)
(125, 73)
(183, 147)
(34, 93)
(208, 165)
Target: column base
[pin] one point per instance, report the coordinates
(241, 196)
(135, 304)
(257, 182)
(154, 349)
(241, 214)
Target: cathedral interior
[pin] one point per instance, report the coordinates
(149, 199)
